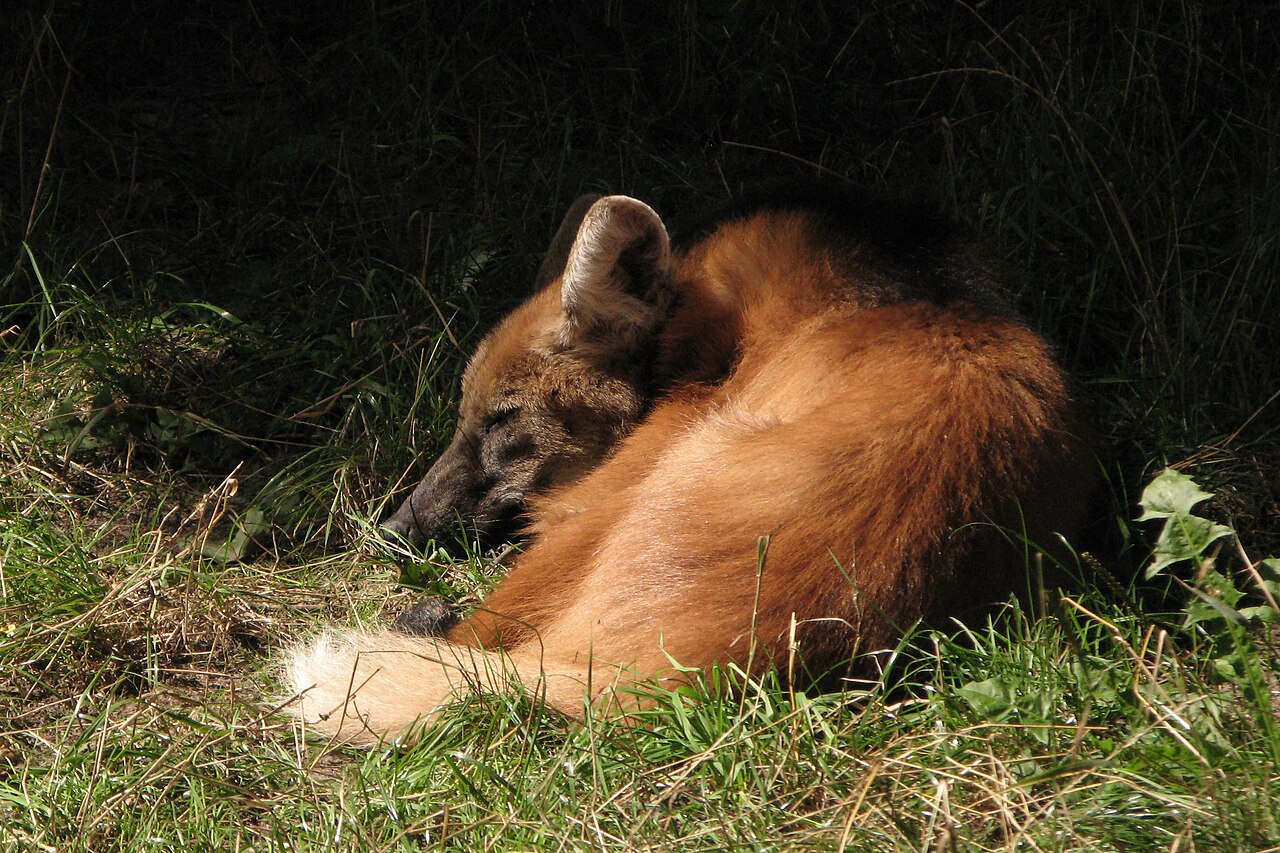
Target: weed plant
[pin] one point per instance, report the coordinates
(244, 252)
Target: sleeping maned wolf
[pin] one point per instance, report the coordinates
(775, 443)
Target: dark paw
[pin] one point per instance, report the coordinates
(430, 617)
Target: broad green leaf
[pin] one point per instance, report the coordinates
(1170, 494)
(993, 698)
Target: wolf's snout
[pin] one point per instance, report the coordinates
(397, 531)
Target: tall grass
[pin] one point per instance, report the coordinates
(243, 256)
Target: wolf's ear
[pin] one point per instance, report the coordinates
(617, 287)
(557, 256)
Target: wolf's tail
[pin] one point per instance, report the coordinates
(366, 687)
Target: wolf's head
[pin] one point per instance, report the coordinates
(559, 382)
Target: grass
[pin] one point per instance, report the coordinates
(243, 259)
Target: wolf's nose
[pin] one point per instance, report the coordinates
(395, 532)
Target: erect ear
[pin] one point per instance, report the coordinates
(557, 256)
(617, 288)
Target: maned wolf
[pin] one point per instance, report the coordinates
(777, 442)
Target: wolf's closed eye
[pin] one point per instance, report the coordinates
(499, 417)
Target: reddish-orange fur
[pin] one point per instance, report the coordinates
(888, 452)
(826, 408)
